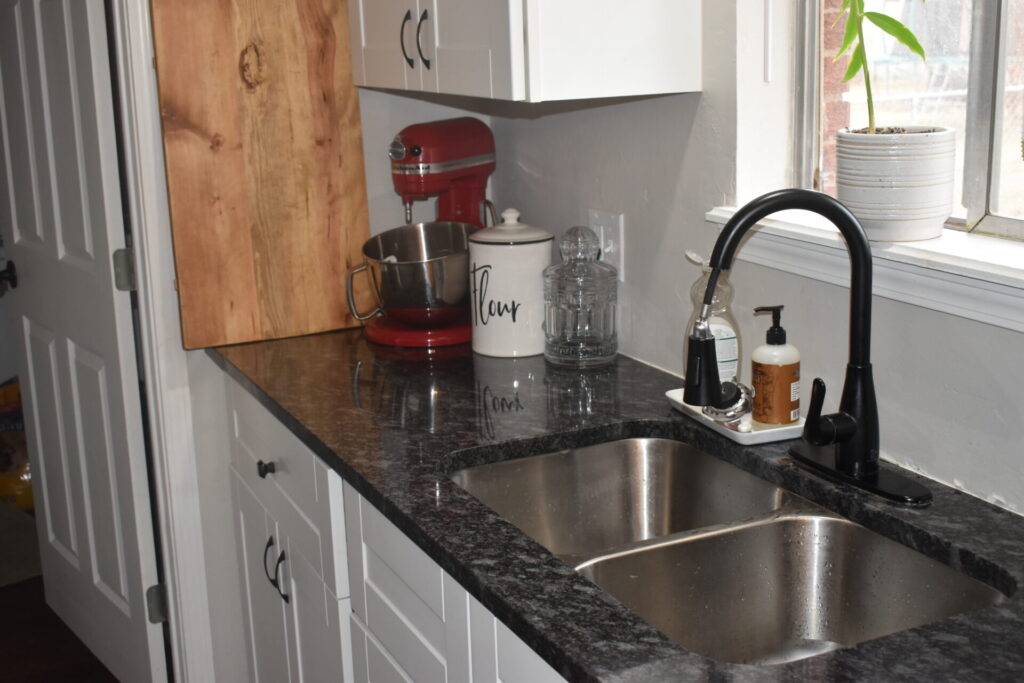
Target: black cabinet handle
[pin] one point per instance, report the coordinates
(265, 468)
(275, 579)
(270, 544)
(401, 38)
(419, 27)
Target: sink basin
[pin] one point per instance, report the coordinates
(580, 502)
(724, 563)
(785, 588)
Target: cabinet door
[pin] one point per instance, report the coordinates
(384, 35)
(472, 50)
(411, 617)
(318, 630)
(265, 611)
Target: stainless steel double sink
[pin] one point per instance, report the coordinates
(724, 563)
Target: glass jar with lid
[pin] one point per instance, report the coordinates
(580, 296)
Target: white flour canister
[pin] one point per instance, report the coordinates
(506, 266)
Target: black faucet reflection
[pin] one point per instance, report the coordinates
(844, 445)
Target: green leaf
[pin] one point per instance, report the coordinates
(842, 11)
(850, 34)
(897, 31)
(856, 62)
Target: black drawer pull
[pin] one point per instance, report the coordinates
(265, 468)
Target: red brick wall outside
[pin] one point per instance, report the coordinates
(835, 113)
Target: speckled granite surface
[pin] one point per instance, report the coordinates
(395, 426)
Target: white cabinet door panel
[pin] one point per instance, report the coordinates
(403, 640)
(371, 663)
(380, 30)
(264, 610)
(517, 662)
(608, 48)
(473, 49)
(315, 635)
(404, 557)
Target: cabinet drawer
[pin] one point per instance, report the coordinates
(302, 494)
(257, 436)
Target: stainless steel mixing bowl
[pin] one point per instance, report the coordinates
(420, 273)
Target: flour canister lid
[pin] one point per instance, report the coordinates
(511, 231)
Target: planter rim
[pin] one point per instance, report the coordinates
(911, 131)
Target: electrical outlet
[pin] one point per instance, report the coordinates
(611, 230)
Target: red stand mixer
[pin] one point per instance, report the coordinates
(420, 271)
(450, 160)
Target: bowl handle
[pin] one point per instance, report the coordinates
(351, 297)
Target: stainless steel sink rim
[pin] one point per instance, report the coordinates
(794, 510)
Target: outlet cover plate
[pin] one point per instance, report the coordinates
(611, 230)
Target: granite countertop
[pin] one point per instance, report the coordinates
(395, 426)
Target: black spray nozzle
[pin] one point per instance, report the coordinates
(776, 334)
(703, 386)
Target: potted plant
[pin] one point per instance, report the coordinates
(898, 180)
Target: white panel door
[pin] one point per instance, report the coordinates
(61, 215)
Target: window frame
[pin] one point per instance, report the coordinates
(984, 112)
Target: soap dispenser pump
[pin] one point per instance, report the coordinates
(775, 373)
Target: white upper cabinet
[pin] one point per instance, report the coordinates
(532, 50)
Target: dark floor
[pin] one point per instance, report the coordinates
(36, 646)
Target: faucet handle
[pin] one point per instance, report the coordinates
(822, 430)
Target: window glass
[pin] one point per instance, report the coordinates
(907, 90)
(1008, 195)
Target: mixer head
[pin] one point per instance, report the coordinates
(450, 160)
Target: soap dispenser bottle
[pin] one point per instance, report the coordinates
(723, 325)
(775, 375)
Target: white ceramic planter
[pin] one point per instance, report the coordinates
(899, 186)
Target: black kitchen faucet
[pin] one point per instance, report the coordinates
(844, 445)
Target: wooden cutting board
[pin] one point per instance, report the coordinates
(264, 165)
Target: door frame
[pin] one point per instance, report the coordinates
(163, 360)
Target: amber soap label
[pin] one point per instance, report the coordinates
(776, 393)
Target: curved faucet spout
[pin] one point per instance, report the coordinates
(843, 445)
(856, 244)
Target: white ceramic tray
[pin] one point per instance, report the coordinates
(757, 433)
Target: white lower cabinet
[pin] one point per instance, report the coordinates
(304, 538)
(411, 621)
(291, 550)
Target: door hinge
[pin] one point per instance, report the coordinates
(156, 604)
(124, 270)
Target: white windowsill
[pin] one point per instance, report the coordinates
(972, 276)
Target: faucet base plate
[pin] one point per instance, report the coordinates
(885, 483)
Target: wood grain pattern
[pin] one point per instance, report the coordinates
(264, 165)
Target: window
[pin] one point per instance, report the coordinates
(972, 81)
